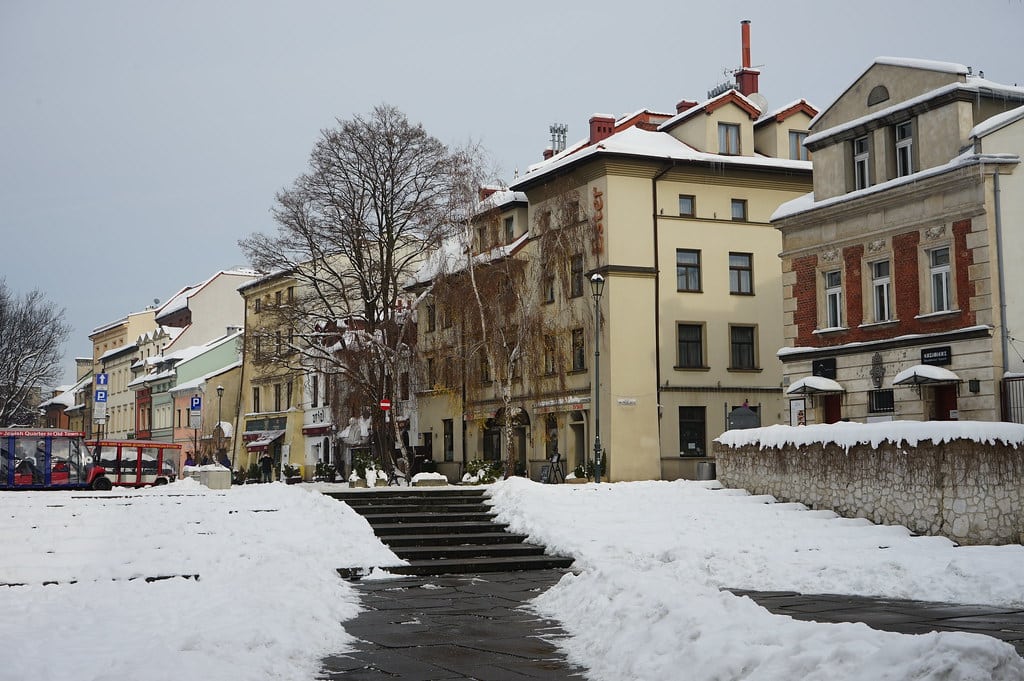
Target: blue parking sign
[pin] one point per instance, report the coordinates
(196, 404)
(101, 396)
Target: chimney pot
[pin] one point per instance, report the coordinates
(548, 153)
(685, 105)
(601, 127)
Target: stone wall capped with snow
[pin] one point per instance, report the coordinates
(961, 480)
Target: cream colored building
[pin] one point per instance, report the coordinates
(676, 210)
(109, 343)
(896, 266)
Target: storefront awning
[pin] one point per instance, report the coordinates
(323, 429)
(925, 374)
(265, 439)
(815, 385)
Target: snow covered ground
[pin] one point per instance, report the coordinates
(646, 603)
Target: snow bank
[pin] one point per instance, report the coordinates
(654, 556)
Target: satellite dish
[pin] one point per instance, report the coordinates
(156, 301)
(758, 99)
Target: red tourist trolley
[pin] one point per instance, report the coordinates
(47, 458)
(136, 463)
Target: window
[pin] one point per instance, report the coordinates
(939, 273)
(572, 212)
(579, 351)
(256, 398)
(741, 339)
(576, 276)
(797, 150)
(741, 273)
(549, 289)
(277, 397)
(288, 395)
(549, 355)
(687, 270)
(690, 338)
(880, 401)
(291, 294)
(728, 138)
(257, 345)
(431, 373)
(510, 232)
(314, 391)
(739, 209)
(881, 285)
(446, 317)
(904, 149)
(687, 205)
(485, 368)
(277, 298)
(481, 238)
(431, 317)
(692, 429)
(291, 340)
(861, 161)
(256, 305)
(278, 345)
(833, 299)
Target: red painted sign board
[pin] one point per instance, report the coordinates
(385, 404)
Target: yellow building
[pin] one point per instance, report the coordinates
(271, 404)
(675, 211)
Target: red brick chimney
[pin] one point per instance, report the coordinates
(548, 153)
(685, 105)
(746, 77)
(601, 127)
(487, 191)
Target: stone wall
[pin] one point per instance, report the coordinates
(969, 491)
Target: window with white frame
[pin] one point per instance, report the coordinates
(797, 150)
(728, 139)
(904, 149)
(833, 299)
(861, 163)
(938, 260)
(881, 287)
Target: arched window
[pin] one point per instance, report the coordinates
(878, 94)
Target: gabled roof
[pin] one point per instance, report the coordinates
(783, 112)
(179, 301)
(997, 122)
(709, 106)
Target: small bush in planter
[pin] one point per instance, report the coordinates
(479, 471)
(325, 471)
(584, 470)
(253, 474)
(292, 474)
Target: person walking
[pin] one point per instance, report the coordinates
(266, 467)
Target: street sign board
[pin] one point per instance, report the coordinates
(385, 404)
(101, 396)
(196, 404)
(102, 379)
(195, 420)
(99, 411)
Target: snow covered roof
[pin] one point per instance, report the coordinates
(923, 374)
(802, 204)
(67, 396)
(815, 385)
(634, 141)
(500, 198)
(709, 105)
(997, 122)
(179, 301)
(786, 110)
(848, 434)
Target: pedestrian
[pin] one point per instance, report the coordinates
(223, 460)
(189, 461)
(266, 468)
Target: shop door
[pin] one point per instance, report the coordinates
(833, 408)
(945, 402)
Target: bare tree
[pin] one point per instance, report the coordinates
(511, 337)
(32, 331)
(378, 195)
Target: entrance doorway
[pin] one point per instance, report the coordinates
(832, 408)
(945, 402)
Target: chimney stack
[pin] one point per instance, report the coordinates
(746, 77)
(601, 127)
(685, 105)
(548, 153)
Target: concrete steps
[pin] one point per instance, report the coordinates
(444, 531)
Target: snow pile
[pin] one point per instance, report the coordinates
(653, 557)
(267, 603)
(848, 434)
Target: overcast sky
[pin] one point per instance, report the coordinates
(139, 141)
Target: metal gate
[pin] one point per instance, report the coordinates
(1013, 399)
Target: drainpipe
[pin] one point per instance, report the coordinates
(999, 263)
(657, 289)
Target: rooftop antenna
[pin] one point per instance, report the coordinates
(558, 131)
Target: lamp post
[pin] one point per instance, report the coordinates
(220, 429)
(597, 288)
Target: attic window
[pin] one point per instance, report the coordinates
(878, 94)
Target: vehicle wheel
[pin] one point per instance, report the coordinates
(102, 484)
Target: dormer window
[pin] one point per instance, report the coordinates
(861, 163)
(797, 150)
(729, 139)
(904, 149)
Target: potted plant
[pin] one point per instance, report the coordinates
(253, 474)
(584, 472)
(292, 475)
(325, 472)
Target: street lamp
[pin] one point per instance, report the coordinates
(597, 288)
(220, 394)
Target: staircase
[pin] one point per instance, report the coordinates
(444, 531)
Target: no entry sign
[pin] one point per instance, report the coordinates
(385, 404)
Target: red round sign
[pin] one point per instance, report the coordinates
(385, 404)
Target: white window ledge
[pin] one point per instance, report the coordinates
(887, 322)
(831, 329)
(942, 313)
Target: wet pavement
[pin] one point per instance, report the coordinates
(453, 627)
(905, 617)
